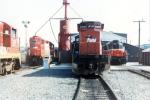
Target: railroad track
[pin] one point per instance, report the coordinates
(141, 72)
(93, 89)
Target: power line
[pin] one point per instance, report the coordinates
(58, 18)
(48, 20)
(75, 12)
(56, 11)
(52, 31)
(41, 27)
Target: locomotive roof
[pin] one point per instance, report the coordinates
(90, 23)
(146, 50)
(113, 41)
(3, 23)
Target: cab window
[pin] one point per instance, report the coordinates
(14, 33)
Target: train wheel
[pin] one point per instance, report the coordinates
(13, 69)
(101, 69)
(98, 69)
(3, 70)
(30, 61)
(8, 72)
(35, 61)
(0, 68)
(41, 62)
(12, 65)
(17, 64)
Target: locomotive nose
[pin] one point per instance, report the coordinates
(117, 53)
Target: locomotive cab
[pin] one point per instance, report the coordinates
(10, 56)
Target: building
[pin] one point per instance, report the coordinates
(145, 46)
(109, 36)
(133, 51)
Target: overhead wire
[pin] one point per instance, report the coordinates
(52, 31)
(48, 20)
(41, 27)
(57, 11)
(76, 12)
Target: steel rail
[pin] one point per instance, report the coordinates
(94, 88)
(77, 90)
(143, 73)
(110, 92)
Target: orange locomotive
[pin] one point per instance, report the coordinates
(87, 50)
(10, 56)
(116, 51)
(38, 50)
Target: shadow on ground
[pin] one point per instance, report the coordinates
(58, 73)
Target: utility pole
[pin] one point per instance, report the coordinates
(139, 22)
(139, 53)
(25, 23)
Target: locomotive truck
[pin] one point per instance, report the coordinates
(10, 56)
(87, 57)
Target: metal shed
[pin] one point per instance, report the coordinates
(145, 57)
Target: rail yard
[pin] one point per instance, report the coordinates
(89, 64)
(58, 82)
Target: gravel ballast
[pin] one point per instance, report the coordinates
(128, 86)
(56, 83)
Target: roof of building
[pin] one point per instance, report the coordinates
(110, 36)
(121, 34)
(107, 36)
(146, 50)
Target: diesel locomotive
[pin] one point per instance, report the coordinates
(10, 56)
(39, 49)
(116, 51)
(87, 57)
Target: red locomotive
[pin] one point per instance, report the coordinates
(38, 50)
(116, 51)
(10, 55)
(87, 49)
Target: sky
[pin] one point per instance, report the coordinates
(117, 16)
